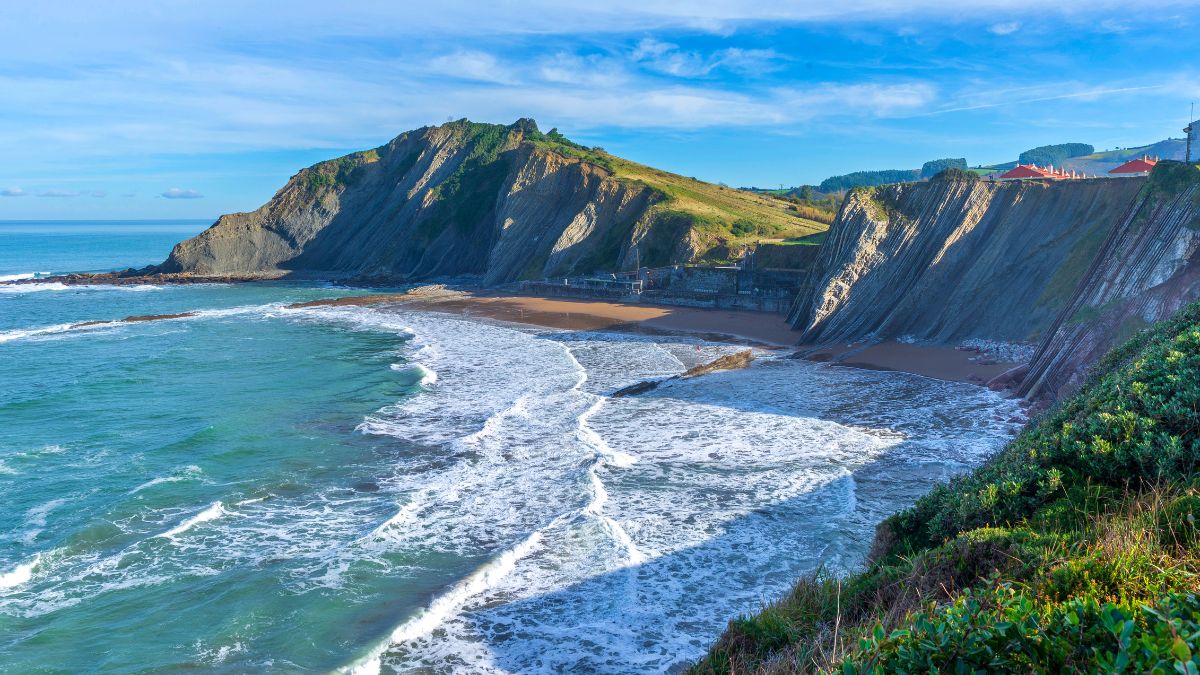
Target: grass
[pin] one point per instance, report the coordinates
(718, 215)
(1075, 549)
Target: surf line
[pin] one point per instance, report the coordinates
(429, 618)
(603, 454)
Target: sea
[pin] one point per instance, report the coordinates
(353, 489)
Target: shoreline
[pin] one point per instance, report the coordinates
(763, 330)
(757, 329)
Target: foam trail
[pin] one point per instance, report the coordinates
(20, 333)
(435, 614)
(19, 277)
(32, 288)
(214, 511)
(605, 454)
(188, 473)
(20, 574)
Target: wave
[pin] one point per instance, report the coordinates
(428, 619)
(214, 511)
(21, 333)
(424, 376)
(187, 473)
(37, 287)
(24, 333)
(20, 574)
(22, 276)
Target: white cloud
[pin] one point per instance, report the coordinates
(62, 194)
(471, 65)
(667, 58)
(1005, 28)
(177, 193)
(13, 191)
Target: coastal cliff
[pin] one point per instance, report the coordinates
(1066, 268)
(500, 202)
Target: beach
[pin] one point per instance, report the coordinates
(761, 329)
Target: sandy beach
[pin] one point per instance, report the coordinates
(754, 328)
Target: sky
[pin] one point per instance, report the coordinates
(116, 109)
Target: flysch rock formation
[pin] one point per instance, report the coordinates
(1071, 266)
(457, 199)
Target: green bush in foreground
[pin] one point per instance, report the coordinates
(1074, 549)
(1000, 629)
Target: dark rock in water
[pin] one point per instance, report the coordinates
(366, 486)
(635, 389)
(741, 359)
(134, 319)
(1009, 378)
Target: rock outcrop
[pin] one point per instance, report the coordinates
(1072, 267)
(499, 202)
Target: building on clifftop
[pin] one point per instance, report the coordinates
(1026, 171)
(1135, 167)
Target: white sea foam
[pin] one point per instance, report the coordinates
(23, 333)
(424, 376)
(518, 466)
(190, 472)
(19, 277)
(214, 511)
(33, 288)
(21, 574)
(445, 604)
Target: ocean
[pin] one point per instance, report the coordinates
(360, 489)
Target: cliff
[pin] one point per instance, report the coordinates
(1146, 270)
(501, 202)
(1070, 266)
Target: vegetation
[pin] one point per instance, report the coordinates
(868, 179)
(1076, 548)
(936, 166)
(339, 172)
(1055, 154)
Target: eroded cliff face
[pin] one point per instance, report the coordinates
(461, 198)
(1147, 268)
(1073, 267)
(954, 259)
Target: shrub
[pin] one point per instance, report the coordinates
(1055, 154)
(936, 166)
(1002, 630)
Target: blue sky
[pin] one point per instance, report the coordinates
(186, 109)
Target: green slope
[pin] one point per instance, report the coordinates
(1075, 549)
(719, 215)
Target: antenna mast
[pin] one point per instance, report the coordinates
(1187, 156)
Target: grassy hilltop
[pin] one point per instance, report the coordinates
(716, 213)
(1075, 549)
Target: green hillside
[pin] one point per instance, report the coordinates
(1075, 549)
(717, 213)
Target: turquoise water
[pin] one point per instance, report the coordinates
(262, 488)
(54, 247)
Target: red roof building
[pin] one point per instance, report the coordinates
(1035, 171)
(1135, 167)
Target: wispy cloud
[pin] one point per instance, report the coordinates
(177, 193)
(58, 194)
(1005, 28)
(1069, 92)
(13, 191)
